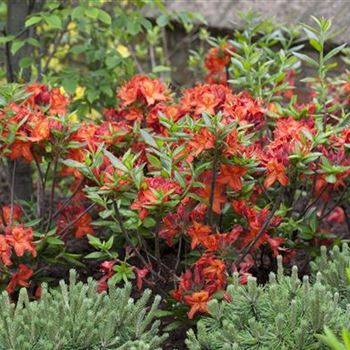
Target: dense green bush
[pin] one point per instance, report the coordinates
(335, 268)
(75, 317)
(286, 313)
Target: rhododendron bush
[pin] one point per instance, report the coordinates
(179, 189)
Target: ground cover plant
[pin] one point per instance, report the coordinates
(286, 313)
(183, 190)
(76, 317)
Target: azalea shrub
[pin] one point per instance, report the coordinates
(181, 188)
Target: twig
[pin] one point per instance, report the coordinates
(212, 189)
(69, 199)
(156, 242)
(40, 190)
(52, 195)
(245, 251)
(56, 43)
(135, 59)
(152, 56)
(334, 206)
(178, 254)
(64, 232)
(12, 192)
(313, 202)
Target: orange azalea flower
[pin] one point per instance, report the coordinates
(206, 103)
(205, 98)
(232, 142)
(198, 302)
(58, 102)
(6, 211)
(134, 114)
(83, 226)
(5, 251)
(203, 140)
(140, 86)
(211, 243)
(219, 199)
(337, 215)
(231, 175)
(170, 228)
(198, 232)
(276, 172)
(20, 278)
(275, 244)
(39, 94)
(216, 61)
(41, 131)
(153, 91)
(215, 269)
(21, 240)
(21, 149)
(157, 190)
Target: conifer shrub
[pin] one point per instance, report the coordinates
(335, 268)
(287, 313)
(75, 317)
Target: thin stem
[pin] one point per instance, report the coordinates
(135, 59)
(52, 195)
(12, 200)
(324, 215)
(314, 201)
(69, 199)
(56, 43)
(212, 189)
(178, 254)
(152, 56)
(129, 241)
(40, 189)
(126, 234)
(156, 241)
(65, 231)
(245, 251)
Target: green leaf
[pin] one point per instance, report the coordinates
(17, 45)
(26, 62)
(161, 69)
(54, 241)
(115, 161)
(173, 325)
(305, 58)
(162, 20)
(6, 39)
(347, 271)
(104, 17)
(133, 27)
(96, 255)
(332, 179)
(77, 13)
(69, 84)
(54, 21)
(149, 222)
(334, 52)
(92, 12)
(33, 42)
(32, 20)
(72, 163)
(148, 138)
(108, 245)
